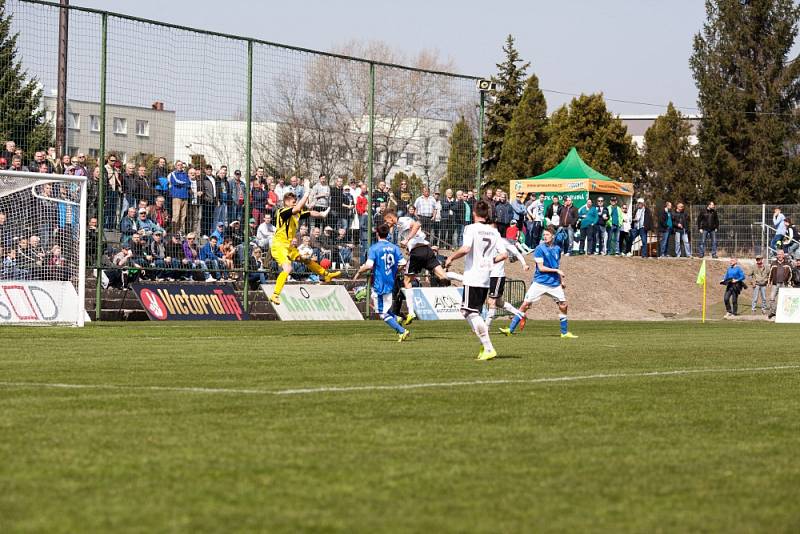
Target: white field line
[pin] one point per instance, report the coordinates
(399, 387)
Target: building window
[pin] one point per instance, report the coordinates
(410, 158)
(94, 123)
(74, 121)
(342, 152)
(443, 132)
(393, 156)
(122, 156)
(442, 159)
(94, 152)
(143, 128)
(72, 150)
(120, 126)
(50, 116)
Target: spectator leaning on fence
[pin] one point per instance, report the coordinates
(759, 276)
(708, 224)
(789, 242)
(780, 228)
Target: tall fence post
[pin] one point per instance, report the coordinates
(763, 227)
(101, 187)
(248, 148)
(370, 167)
(479, 174)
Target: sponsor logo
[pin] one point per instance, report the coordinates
(307, 303)
(189, 302)
(432, 303)
(32, 302)
(153, 304)
(314, 303)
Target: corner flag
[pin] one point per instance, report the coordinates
(701, 275)
(701, 281)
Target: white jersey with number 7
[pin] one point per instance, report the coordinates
(482, 240)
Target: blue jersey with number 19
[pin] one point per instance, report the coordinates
(385, 256)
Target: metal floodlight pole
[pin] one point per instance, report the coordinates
(248, 148)
(101, 187)
(478, 175)
(61, 98)
(370, 166)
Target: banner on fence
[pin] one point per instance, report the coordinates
(788, 307)
(189, 302)
(38, 302)
(314, 303)
(435, 303)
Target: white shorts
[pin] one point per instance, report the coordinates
(382, 303)
(537, 291)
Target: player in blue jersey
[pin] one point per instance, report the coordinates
(383, 260)
(548, 280)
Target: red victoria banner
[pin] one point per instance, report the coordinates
(190, 302)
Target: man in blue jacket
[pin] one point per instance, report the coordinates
(179, 185)
(212, 256)
(734, 283)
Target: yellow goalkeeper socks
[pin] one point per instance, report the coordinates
(280, 282)
(316, 268)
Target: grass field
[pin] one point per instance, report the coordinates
(285, 428)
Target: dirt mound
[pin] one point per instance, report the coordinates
(635, 289)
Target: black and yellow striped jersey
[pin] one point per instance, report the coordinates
(286, 225)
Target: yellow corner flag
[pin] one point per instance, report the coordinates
(701, 281)
(701, 275)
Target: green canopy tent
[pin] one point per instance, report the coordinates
(575, 179)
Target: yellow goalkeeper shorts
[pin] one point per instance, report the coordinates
(283, 254)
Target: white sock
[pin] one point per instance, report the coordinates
(479, 327)
(490, 316)
(455, 276)
(511, 309)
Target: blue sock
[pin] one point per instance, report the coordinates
(392, 321)
(514, 322)
(563, 320)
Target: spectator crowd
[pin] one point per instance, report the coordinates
(174, 220)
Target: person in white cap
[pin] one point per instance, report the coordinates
(641, 224)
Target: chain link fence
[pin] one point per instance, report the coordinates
(744, 230)
(128, 102)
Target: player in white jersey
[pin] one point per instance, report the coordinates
(420, 254)
(497, 281)
(479, 246)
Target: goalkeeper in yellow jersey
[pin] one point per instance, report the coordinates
(283, 252)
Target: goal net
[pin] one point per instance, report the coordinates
(43, 248)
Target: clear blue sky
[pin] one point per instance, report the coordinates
(629, 49)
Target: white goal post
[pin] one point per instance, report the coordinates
(43, 248)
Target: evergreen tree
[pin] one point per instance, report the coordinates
(523, 148)
(503, 102)
(21, 114)
(672, 167)
(462, 163)
(601, 139)
(748, 91)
